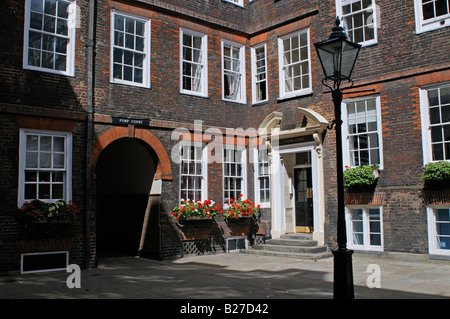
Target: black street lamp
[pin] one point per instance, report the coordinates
(338, 56)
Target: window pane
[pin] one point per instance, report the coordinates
(31, 160)
(375, 239)
(37, 5)
(30, 191)
(44, 191)
(358, 239)
(57, 191)
(50, 7)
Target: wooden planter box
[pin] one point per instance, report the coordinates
(44, 245)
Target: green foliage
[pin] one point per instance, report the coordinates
(196, 208)
(59, 211)
(360, 176)
(437, 172)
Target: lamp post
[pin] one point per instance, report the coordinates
(338, 56)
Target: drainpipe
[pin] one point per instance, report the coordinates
(89, 129)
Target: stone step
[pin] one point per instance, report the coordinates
(289, 255)
(293, 249)
(304, 236)
(294, 245)
(292, 242)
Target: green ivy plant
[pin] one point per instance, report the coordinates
(360, 176)
(437, 172)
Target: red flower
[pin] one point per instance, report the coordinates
(231, 200)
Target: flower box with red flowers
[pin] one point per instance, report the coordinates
(196, 210)
(240, 208)
(37, 211)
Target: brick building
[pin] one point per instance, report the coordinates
(113, 86)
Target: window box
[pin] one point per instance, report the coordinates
(437, 175)
(361, 177)
(196, 210)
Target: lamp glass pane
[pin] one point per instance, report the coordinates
(338, 58)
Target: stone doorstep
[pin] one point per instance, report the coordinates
(292, 245)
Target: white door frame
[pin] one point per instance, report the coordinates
(317, 184)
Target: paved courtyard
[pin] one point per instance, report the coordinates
(237, 276)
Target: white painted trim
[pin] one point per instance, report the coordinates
(43, 253)
(345, 135)
(244, 170)
(22, 156)
(254, 69)
(282, 91)
(71, 25)
(432, 24)
(204, 50)
(204, 175)
(433, 249)
(241, 47)
(375, 17)
(349, 226)
(256, 179)
(309, 147)
(147, 44)
(427, 150)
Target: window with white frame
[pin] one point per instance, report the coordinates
(233, 68)
(49, 36)
(359, 20)
(439, 230)
(431, 14)
(130, 49)
(365, 228)
(262, 177)
(193, 173)
(435, 115)
(295, 66)
(259, 73)
(193, 62)
(362, 132)
(45, 166)
(234, 176)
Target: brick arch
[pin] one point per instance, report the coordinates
(163, 169)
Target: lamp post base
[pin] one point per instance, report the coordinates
(343, 275)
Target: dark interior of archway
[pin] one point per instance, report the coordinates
(125, 171)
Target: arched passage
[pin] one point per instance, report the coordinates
(125, 172)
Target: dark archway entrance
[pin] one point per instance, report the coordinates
(125, 171)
